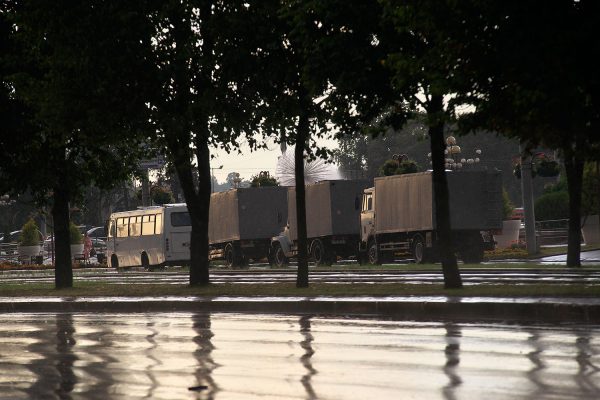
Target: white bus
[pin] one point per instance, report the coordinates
(149, 236)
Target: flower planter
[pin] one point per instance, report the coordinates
(29, 251)
(77, 251)
(510, 234)
(591, 230)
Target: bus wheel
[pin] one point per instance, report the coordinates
(145, 262)
(114, 261)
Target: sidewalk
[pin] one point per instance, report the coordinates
(459, 309)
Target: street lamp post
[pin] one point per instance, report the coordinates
(528, 204)
(212, 178)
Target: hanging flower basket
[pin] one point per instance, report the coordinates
(547, 168)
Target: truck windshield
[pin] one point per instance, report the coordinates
(367, 202)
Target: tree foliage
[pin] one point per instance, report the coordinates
(401, 64)
(205, 54)
(298, 82)
(513, 95)
(263, 179)
(73, 102)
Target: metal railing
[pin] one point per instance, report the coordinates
(552, 232)
(9, 252)
(549, 232)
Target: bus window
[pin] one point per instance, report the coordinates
(180, 219)
(112, 228)
(135, 226)
(122, 227)
(159, 228)
(148, 225)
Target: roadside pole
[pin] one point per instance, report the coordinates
(527, 193)
(145, 189)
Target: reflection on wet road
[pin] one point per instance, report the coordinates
(233, 356)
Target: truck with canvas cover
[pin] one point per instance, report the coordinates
(332, 222)
(398, 215)
(242, 222)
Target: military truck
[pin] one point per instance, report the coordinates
(242, 222)
(332, 222)
(398, 215)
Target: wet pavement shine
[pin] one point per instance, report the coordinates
(266, 356)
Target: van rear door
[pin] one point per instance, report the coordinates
(178, 235)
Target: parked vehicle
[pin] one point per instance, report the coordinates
(398, 215)
(332, 222)
(97, 235)
(149, 236)
(518, 213)
(243, 221)
(14, 236)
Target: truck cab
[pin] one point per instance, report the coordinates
(367, 215)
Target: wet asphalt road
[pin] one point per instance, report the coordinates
(234, 356)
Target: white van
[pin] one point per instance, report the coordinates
(149, 236)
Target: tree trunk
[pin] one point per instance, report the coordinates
(201, 209)
(198, 204)
(452, 279)
(181, 124)
(63, 272)
(574, 169)
(301, 138)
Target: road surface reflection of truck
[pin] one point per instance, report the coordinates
(332, 222)
(398, 215)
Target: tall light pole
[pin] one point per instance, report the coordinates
(528, 204)
(212, 178)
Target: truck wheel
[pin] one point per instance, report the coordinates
(279, 256)
(231, 256)
(373, 253)
(320, 254)
(418, 249)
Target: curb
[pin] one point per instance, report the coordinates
(410, 310)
